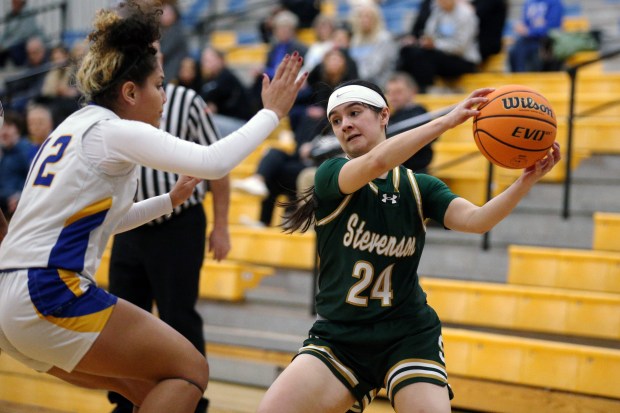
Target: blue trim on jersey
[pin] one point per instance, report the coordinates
(47, 290)
(51, 295)
(70, 249)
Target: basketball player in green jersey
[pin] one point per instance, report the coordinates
(374, 329)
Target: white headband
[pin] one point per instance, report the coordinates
(354, 93)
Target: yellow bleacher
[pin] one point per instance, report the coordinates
(229, 281)
(587, 270)
(270, 246)
(546, 310)
(546, 82)
(575, 368)
(606, 230)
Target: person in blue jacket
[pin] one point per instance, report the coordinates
(537, 19)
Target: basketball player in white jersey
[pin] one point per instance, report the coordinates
(80, 191)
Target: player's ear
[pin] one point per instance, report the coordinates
(128, 92)
(384, 116)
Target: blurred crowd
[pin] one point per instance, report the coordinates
(448, 38)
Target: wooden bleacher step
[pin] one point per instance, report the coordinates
(548, 82)
(229, 281)
(564, 268)
(606, 231)
(272, 247)
(545, 310)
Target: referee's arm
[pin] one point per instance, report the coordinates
(219, 238)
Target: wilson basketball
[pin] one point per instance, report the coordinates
(515, 128)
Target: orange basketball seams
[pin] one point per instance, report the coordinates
(516, 127)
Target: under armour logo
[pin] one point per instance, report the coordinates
(392, 198)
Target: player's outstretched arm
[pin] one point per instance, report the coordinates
(464, 216)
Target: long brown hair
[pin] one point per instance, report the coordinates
(306, 203)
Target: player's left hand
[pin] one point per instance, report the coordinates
(183, 189)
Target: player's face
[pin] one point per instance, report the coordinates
(150, 98)
(357, 127)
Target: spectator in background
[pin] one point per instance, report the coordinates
(335, 68)
(400, 92)
(305, 10)
(538, 17)
(39, 125)
(58, 84)
(30, 80)
(227, 98)
(173, 38)
(448, 47)
(20, 26)
(491, 21)
(284, 41)
(372, 46)
(188, 74)
(14, 162)
(323, 28)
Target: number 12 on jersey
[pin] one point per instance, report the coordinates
(43, 178)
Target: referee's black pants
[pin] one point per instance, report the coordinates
(161, 264)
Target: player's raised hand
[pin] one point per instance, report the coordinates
(279, 93)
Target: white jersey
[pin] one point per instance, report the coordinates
(77, 194)
(68, 208)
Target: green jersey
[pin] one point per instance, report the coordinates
(370, 243)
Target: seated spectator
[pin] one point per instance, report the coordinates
(324, 28)
(58, 85)
(491, 21)
(15, 158)
(538, 17)
(336, 67)
(372, 46)
(400, 92)
(173, 40)
(188, 74)
(224, 93)
(18, 29)
(39, 125)
(29, 82)
(284, 42)
(305, 10)
(448, 47)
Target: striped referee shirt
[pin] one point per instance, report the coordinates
(184, 116)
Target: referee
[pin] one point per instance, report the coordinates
(161, 261)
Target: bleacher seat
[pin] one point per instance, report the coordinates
(272, 247)
(606, 230)
(585, 270)
(515, 307)
(229, 281)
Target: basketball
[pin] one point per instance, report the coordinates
(515, 128)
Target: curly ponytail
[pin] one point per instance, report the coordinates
(121, 49)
